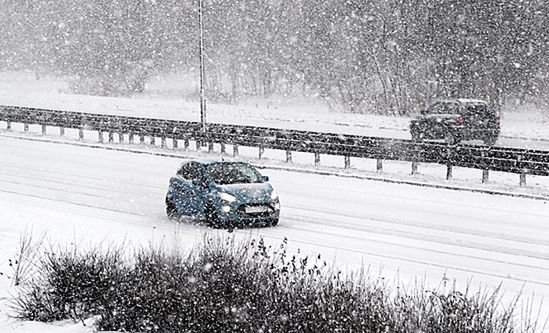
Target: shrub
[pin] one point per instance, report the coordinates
(242, 287)
(71, 284)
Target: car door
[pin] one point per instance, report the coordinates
(183, 189)
(197, 189)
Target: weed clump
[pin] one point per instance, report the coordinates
(226, 286)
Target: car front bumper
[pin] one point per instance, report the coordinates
(249, 214)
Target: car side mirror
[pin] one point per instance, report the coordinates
(264, 179)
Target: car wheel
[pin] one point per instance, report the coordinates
(211, 217)
(490, 140)
(171, 210)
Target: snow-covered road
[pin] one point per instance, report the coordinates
(86, 196)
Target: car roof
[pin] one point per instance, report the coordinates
(463, 101)
(212, 161)
(471, 101)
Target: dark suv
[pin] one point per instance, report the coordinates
(455, 120)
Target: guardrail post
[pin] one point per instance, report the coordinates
(80, 134)
(379, 165)
(163, 142)
(100, 136)
(153, 141)
(120, 137)
(317, 159)
(261, 151)
(448, 171)
(26, 127)
(288, 156)
(414, 167)
(210, 147)
(61, 131)
(223, 148)
(8, 125)
(522, 181)
(44, 129)
(186, 144)
(235, 151)
(448, 163)
(175, 143)
(347, 160)
(485, 175)
(141, 139)
(111, 137)
(130, 138)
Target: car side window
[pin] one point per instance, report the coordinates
(191, 171)
(184, 171)
(436, 108)
(452, 108)
(195, 171)
(478, 111)
(444, 108)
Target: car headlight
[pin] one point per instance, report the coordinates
(274, 195)
(227, 197)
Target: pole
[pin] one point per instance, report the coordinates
(202, 70)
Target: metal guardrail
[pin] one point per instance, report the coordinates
(513, 160)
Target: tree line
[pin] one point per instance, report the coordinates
(389, 56)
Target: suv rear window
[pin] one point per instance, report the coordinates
(444, 108)
(477, 111)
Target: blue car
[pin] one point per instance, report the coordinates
(223, 193)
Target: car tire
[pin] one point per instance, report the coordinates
(171, 210)
(211, 217)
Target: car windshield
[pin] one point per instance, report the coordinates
(233, 173)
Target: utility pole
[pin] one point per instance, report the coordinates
(202, 70)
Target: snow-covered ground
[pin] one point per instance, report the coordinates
(166, 97)
(83, 196)
(402, 231)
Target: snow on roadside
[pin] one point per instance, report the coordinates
(164, 99)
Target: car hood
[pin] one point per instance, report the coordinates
(248, 192)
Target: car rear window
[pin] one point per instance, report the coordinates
(233, 173)
(444, 108)
(477, 111)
